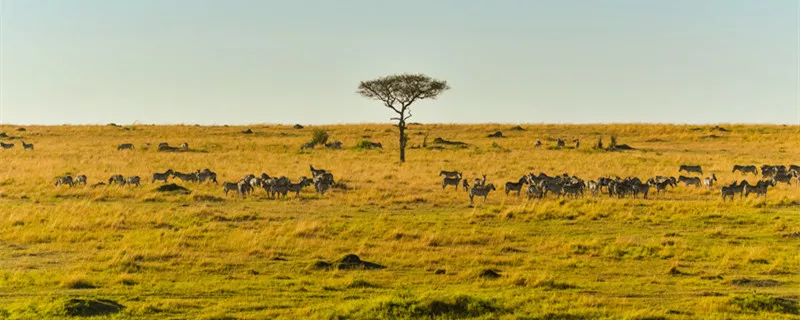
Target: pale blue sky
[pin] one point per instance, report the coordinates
(511, 61)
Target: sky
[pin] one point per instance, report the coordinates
(507, 61)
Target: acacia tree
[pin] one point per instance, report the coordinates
(398, 92)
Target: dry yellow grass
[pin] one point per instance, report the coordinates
(200, 255)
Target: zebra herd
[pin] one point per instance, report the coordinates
(321, 179)
(539, 186)
(25, 146)
(163, 146)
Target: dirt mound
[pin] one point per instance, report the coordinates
(711, 136)
(624, 147)
(172, 188)
(3, 135)
(655, 140)
(353, 262)
(91, 308)
(755, 283)
(720, 129)
(298, 126)
(20, 129)
(517, 128)
(489, 274)
(497, 134)
(320, 265)
(248, 131)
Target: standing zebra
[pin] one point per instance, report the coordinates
(185, 146)
(709, 182)
(230, 186)
(516, 186)
(6, 146)
(162, 176)
(451, 181)
(125, 146)
(186, 177)
(207, 174)
(690, 169)
(745, 169)
(482, 191)
(65, 180)
(135, 180)
(27, 146)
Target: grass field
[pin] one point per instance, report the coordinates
(143, 254)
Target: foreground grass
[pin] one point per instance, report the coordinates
(146, 254)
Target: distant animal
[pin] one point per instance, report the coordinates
(728, 191)
(760, 189)
(745, 169)
(81, 179)
(334, 145)
(560, 143)
(230, 186)
(516, 186)
(639, 187)
(465, 184)
(6, 145)
(784, 177)
(185, 146)
(163, 145)
(307, 145)
(118, 179)
(690, 169)
(65, 180)
(479, 183)
(709, 181)
(244, 188)
(451, 181)
(206, 174)
(316, 172)
(693, 181)
(135, 180)
(297, 187)
(482, 191)
(162, 176)
(451, 174)
(374, 145)
(537, 144)
(125, 146)
(186, 177)
(577, 143)
(27, 146)
(534, 191)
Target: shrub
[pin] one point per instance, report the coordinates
(319, 137)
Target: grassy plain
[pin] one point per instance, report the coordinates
(684, 255)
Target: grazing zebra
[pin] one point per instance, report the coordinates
(230, 186)
(574, 190)
(465, 184)
(135, 180)
(118, 179)
(125, 146)
(482, 191)
(206, 174)
(745, 169)
(552, 187)
(185, 146)
(537, 144)
(451, 181)
(709, 181)
(81, 179)
(690, 169)
(6, 145)
(560, 143)
(297, 187)
(728, 191)
(65, 180)
(307, 145)
(661, 186)
(186, 177)
(162, 176)
(694, 181)
(516, 186)
(27, 146)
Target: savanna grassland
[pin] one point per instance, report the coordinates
(143, 254)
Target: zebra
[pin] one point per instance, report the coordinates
(478, 183)
(334, 145)
(186, 177)
(552, 186)
(560, 143)
(577, 143)
(574, 190)
(323, 182)
(760, 189)
(451, 181)
(316, 172)
(135, 180)
(185, 146)
(206, 174)
(125, 146)
(784, 177)
(307, 145)
(638, 188)
(118, 179)
(230, 186)
(465, 185)
(728, 191)
(745, 169)
(244, 188)
(534, 191)
(6, 145)
(297, 187)
(593, 187)
(27, 146)
(695, 181)
(516, 186)
(690, 169)
(481, 192)
(65, 180)
(162, 176)
(537, 144)
(450, 174)
(163, 145)
(661, 186)
(81, 179)
(709, 181)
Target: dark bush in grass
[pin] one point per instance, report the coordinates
(319, 137)
(759, 302)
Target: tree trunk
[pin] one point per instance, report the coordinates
(402, 126)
